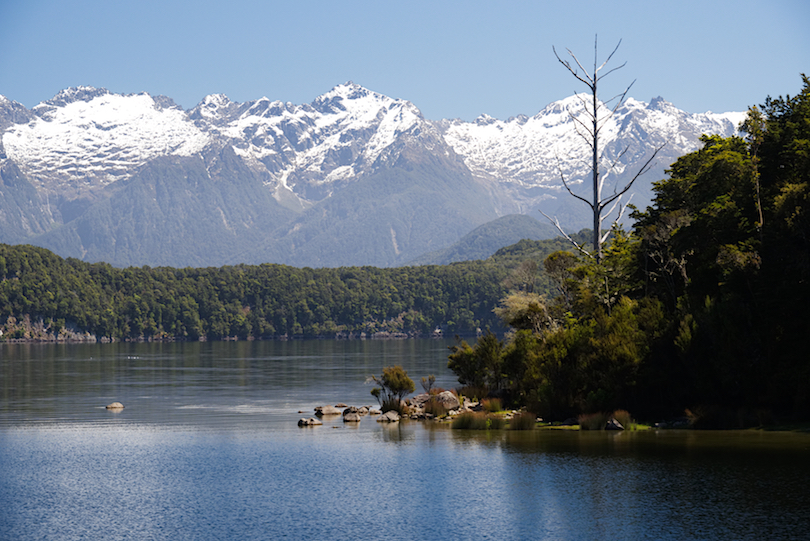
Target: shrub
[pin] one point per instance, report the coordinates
(469, 421)
(393, 386)
(592, 421)
(472, 392)
(492, 405)
(435, 407)
(478, 421)
(428, 382)
(392, 404)
(523, 421)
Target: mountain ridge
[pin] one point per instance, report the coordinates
(427, 183)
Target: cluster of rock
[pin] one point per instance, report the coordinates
(412, 408)
(351, 414)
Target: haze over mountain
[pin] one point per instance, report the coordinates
(354, 178)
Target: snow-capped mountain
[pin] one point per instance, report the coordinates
(533, 152)
(86, 138)
(311, 150)
(355, 177)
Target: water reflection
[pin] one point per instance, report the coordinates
(208, 447)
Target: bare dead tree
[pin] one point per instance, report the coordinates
(597, 114)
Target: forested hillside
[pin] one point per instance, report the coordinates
(262, 301)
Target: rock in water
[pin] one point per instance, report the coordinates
(115, 406)
(352, 417)
(388, 417)
(312, 421)
(327, 410)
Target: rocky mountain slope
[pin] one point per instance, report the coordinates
(354, 178)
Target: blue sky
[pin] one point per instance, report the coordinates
(453, 59)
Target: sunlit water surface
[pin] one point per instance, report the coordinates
(208, 448)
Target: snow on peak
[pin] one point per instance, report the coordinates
(528, 151)
(344, 130)
(87, 136)
(73, 94)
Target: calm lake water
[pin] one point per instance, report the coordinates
(208, 448)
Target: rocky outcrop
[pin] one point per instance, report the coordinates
(388, 417)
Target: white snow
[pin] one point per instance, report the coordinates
(100, 139)
(531, 152)
(335, 139)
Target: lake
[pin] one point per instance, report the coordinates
(208, 448)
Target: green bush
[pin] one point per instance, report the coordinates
(523, 421)
(472, 392)
(492, 405)
(435, 408)
(478, 421)
(393, 386)
(593, 421)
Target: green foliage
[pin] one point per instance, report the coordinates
(477, 421)
(492, 405)
(525, 420)
(480, 366)
(394, 384)
(702, 305)
(435, 407)
(593, 421)
(525, 311)
(263, 301)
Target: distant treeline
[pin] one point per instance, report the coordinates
(43, 295)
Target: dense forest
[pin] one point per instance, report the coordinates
(702, 305)
(45, 297)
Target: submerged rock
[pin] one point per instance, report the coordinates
(115, 406)
(312, 421)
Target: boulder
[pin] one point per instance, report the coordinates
(115, 406)
(374, 411)
(352, 417)
(420, 399)
(363, 410)
(448, 400)
(613, 424)
(350, 409)
(312, 421)
(340, 405)
(389, 417)
(327, 410)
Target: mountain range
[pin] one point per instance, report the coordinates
(353, 178)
